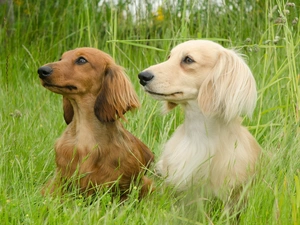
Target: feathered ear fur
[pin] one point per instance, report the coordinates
(116, 96)
(229, 90)
(68, 110)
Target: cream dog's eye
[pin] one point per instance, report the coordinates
(81, 61)
(188, 60)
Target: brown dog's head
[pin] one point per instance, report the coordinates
(90, 75)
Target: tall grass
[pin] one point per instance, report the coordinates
(267, 32)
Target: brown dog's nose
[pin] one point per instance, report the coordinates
(145, 77)
(45, 71)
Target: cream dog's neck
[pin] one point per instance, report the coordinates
(189, 154)
(197, 124)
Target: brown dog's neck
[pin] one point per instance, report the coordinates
(86, 126)
(85, 138)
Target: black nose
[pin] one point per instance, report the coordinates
(45, 71)
(145, 77)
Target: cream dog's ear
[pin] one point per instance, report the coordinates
(229, 90)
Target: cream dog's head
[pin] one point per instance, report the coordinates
(203, 70)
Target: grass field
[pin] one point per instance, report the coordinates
(267, 32)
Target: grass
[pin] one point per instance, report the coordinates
(31, 117)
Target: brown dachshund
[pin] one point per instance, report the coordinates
(95, 148)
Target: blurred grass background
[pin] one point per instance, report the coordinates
(138, 34)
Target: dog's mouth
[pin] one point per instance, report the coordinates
(69, 87)
(164, 95)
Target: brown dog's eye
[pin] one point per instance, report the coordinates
(188, 60)
(81, 61)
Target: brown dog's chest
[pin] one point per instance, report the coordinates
(74, 150)
(95, 160)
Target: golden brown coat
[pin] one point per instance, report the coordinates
(95, 149)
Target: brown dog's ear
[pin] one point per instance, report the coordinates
(68, 110)
(116, 96)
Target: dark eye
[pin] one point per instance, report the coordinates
(81, 61)
(188, 60)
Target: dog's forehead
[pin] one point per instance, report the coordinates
(87, 52)
(188, 45)
(194, 46)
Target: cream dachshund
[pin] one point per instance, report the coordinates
(95, 149)
(211, 148)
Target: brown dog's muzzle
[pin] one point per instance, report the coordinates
(45, 71)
